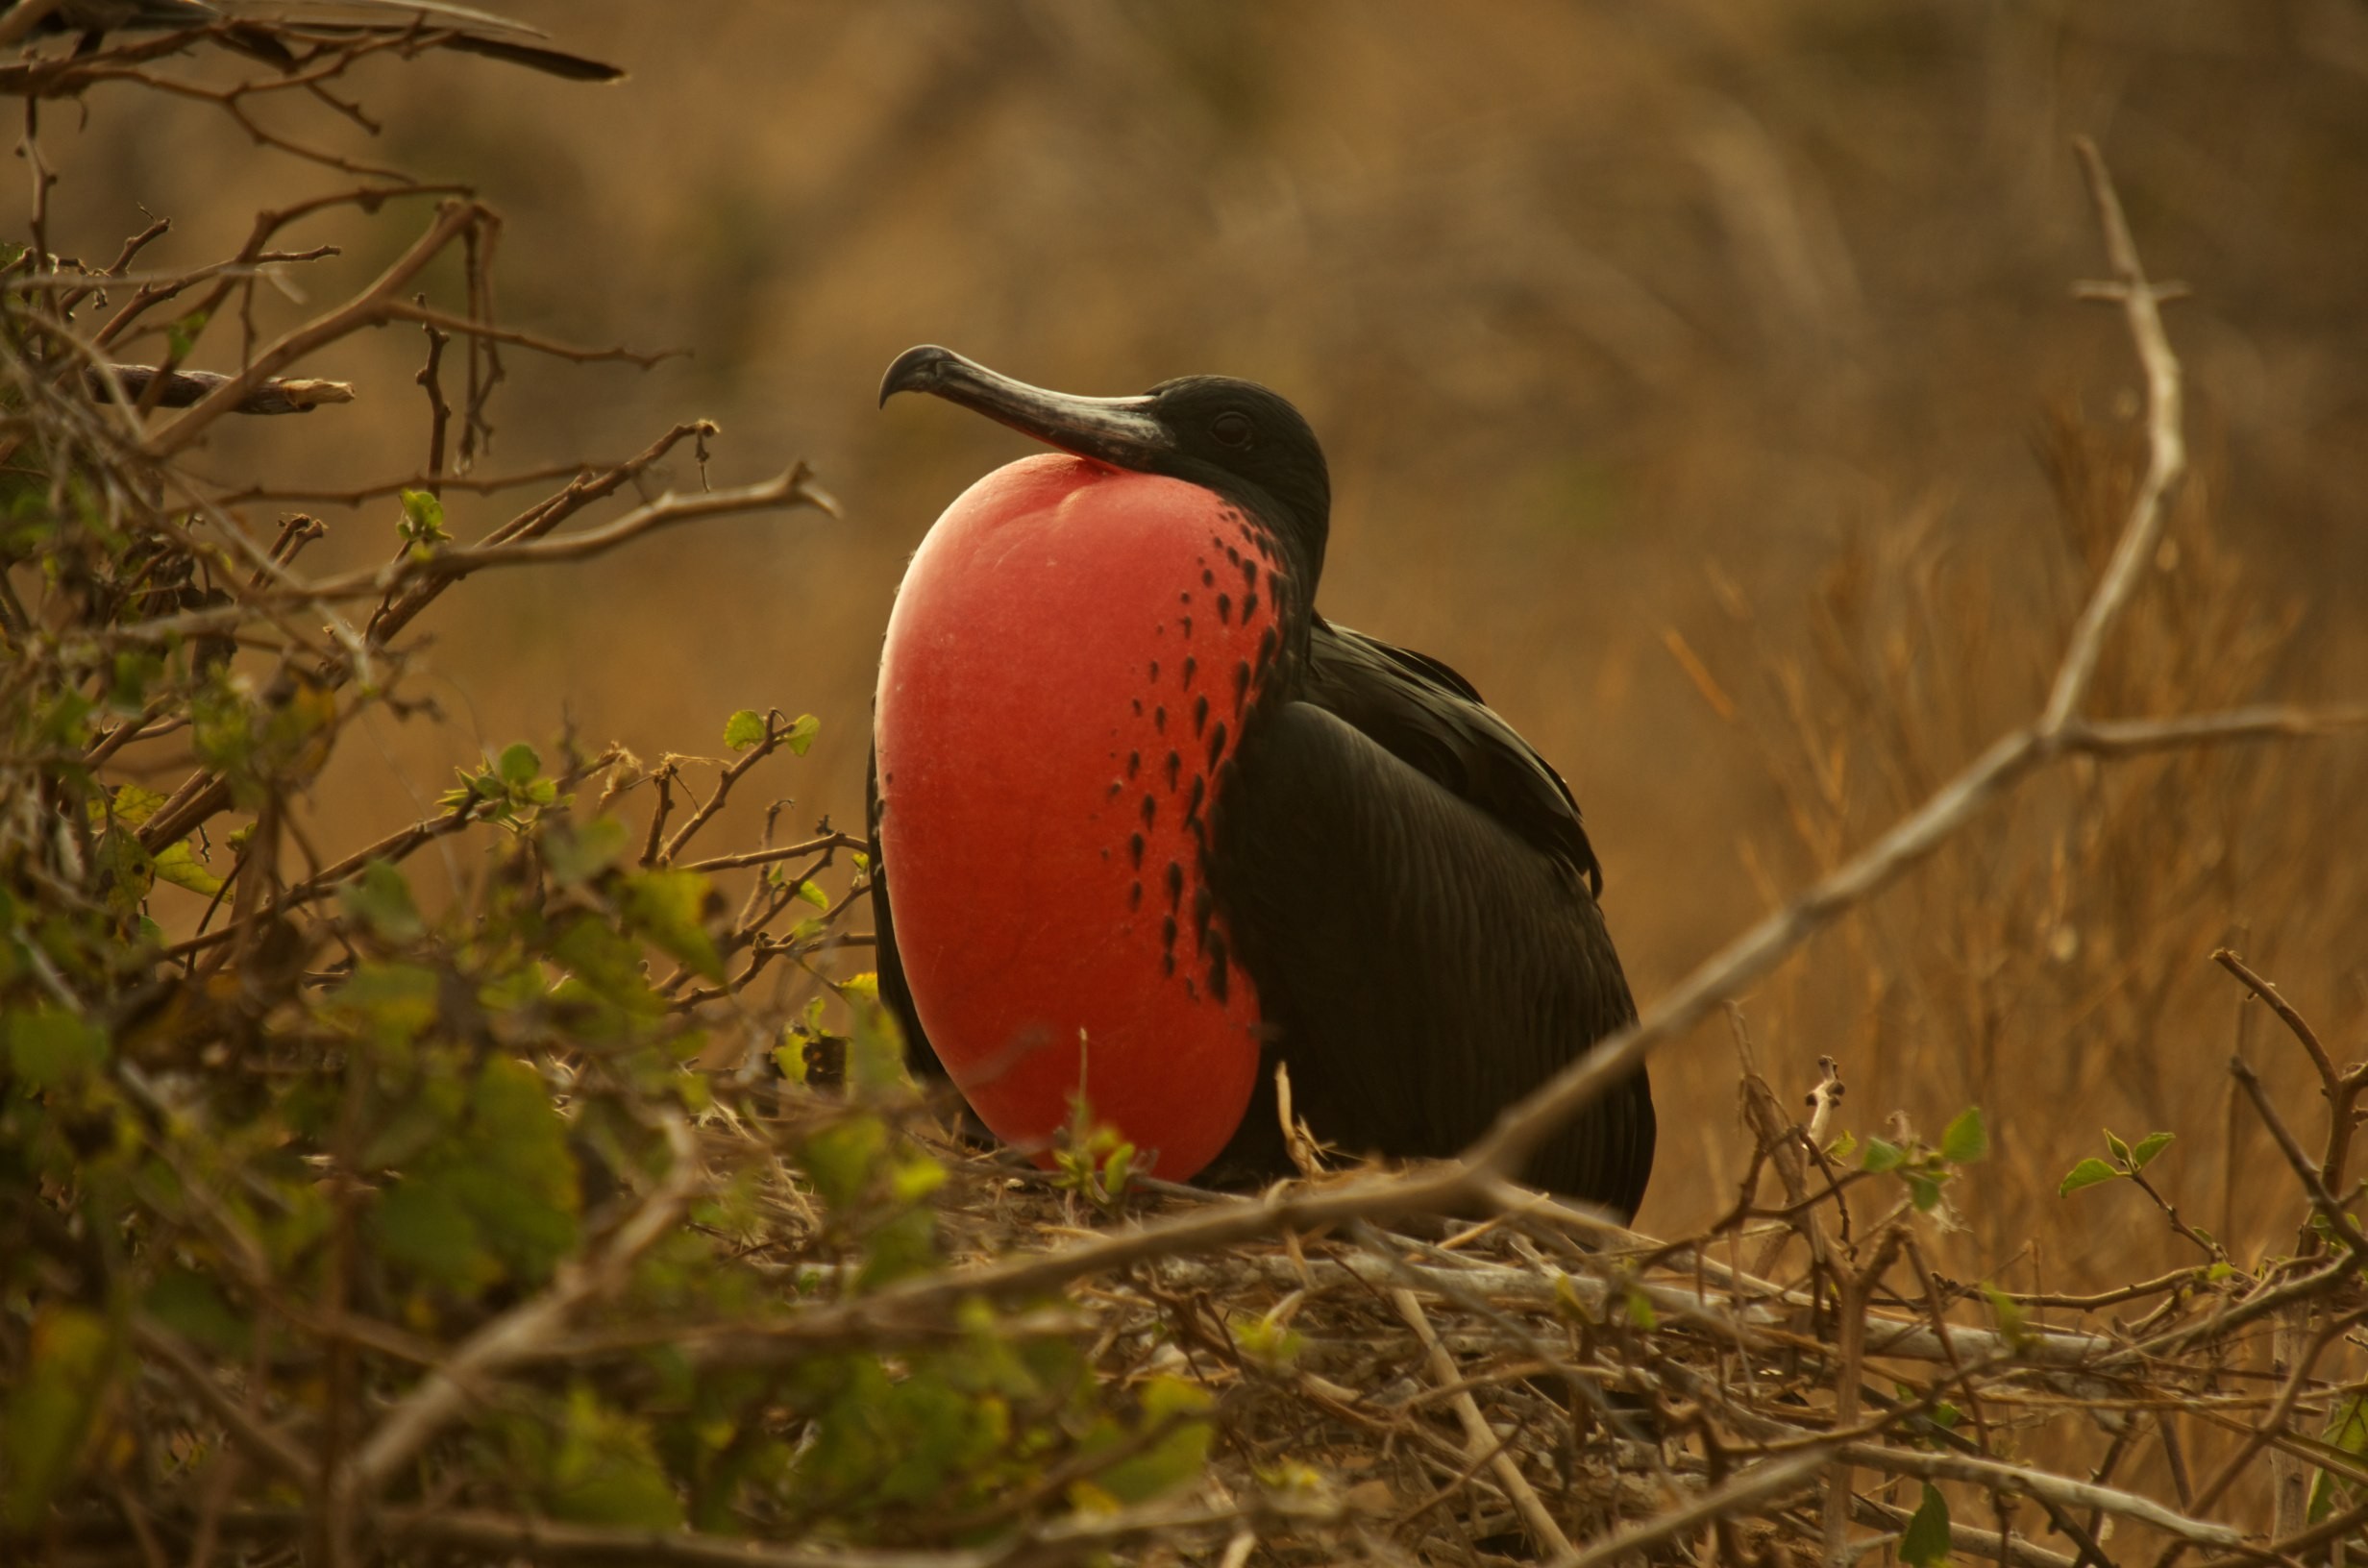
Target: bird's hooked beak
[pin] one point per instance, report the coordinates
(1121, 431)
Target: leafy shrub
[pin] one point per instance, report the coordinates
(325, 1205)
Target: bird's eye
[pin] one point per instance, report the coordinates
(1232, 430)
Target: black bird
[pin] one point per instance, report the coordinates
(1153, 824)
(267, 29)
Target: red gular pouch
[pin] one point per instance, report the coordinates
(1066, 674)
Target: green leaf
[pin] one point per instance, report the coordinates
(2087, 1173)
(1842, 1148)
(2120, 1150)
(68, 1366)
(607, 964)
(1268, 1343)
(126, 872)
(1883, 1154)
(607, 1471)
(181, 337)
(1178, 1457)
(49, 1047)
(221, 727)
(839, 1160)
(1641, 1313)
(1966, 1139)
(133, 805)
(744, 729)
(2349, 1432)
(901, 1441)
(900, 1248)
(423, 518)
(813, 894)
(2323, 1227)
(1117, 1169)
(577, 854)
(800, 738)
(400, 1139)
(670, 908)
(179, 865)
(381, 900)
(187, 1303)
(516, 1174)
(909, 1181)
(2326, 1490)
(1923, 1189)
(499, 1197)
(875, 1052)
(2152, 1145)
(135, 671)
(1925, 1543)
(64, 720)
(422, 1224)
(518, 764)
(2008, 1314)
(393, 1002)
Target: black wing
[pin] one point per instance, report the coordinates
(895, 993)
(1408, 886)
(1430, 718)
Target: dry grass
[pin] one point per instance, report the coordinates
(2050, 964)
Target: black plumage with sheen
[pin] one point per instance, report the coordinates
(1409, 887)
(1405, 880)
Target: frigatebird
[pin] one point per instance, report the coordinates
(1152, 824)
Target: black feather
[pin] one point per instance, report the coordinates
(1407, 886)
(895, 993)
(1430, 718)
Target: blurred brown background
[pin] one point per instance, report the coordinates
(1638, 333)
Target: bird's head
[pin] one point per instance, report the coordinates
(1234, 437)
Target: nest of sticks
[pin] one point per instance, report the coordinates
(1792, 1384)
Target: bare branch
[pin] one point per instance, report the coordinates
(789, 852)
(366, 308)
(2329, 1078)
(1484, 1446)
(2166, 447)
(183, 388)
(1755, 1485)
(473, 484)
(788, 490)
(2024, 1481)
(445, 321)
